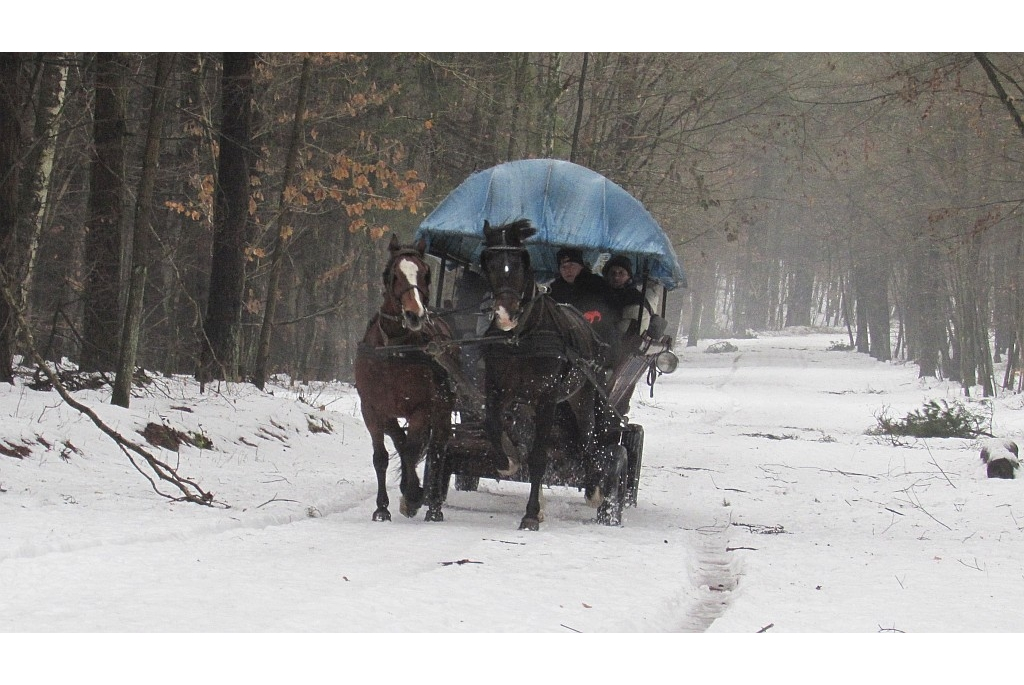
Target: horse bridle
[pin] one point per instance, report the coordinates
(389, 283)
(528, 293)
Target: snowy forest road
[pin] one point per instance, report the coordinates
(763, 504)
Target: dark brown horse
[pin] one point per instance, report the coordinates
(397, 379)
(542, 397)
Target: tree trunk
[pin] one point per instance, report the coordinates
(36, 189)
(219, 357)
(552, 93)
(521, 62)
(879, 323)
(702, 286)
(281, 234)
(1015, 357)
(799, 295)
(11, 96)
(143, 235)
(926, 288)
(579, 109)
(101, 322)
(971, 313)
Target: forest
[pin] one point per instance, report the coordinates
(225, 215)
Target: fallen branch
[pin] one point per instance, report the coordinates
(760, 529)
(275, 499)
(936, 464)
(460, 562)
(769, 436)
(976, 566)
(191, 492)
(912, 496)
(726, 489)
(766, 628)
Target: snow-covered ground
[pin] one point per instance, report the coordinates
(764, 506)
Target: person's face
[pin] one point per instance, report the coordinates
(618, 277)
(569, 270)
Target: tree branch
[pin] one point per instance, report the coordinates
(990, 71)
(191, 492)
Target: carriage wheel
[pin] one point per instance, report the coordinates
(633, 441)
(467, 483)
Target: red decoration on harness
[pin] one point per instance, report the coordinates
(592, 317)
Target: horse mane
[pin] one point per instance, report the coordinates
(509, 235)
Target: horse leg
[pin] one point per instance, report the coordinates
(380, 466)
(415, 440)
(607, 464)
(435, 473)
(606, 485)
(396, 433)
(538, 463)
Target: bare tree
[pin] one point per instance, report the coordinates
(101, 325)
(11, 97)
(282, 232)
(142, 234)
(219, 358)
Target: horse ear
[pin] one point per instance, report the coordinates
(394, 245)
(421, 246)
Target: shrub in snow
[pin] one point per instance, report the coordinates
(937, 419)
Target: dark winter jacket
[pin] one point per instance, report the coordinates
(591, 295)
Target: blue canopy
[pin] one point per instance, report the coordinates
(570, 204)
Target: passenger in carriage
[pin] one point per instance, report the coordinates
(580, 287)
(627, 299)
(624, 295)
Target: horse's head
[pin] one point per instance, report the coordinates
(506, 264)
(407, 283)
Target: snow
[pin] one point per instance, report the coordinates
(764, 506)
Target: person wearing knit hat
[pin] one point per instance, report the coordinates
(628, 302)
(580, 287)
(618, 271)
(570, 254)
(624, 295)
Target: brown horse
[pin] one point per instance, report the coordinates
(397, 379)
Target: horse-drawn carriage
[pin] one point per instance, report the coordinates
(539, 397)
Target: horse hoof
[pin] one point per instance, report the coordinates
(409, 509)
(410, 506)
(382, 515)
(434, 516)
(608, 514)
(529, 524)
